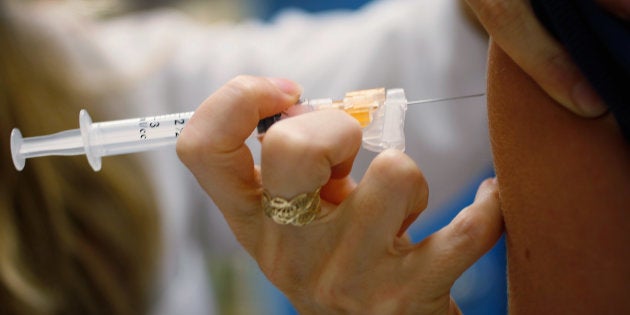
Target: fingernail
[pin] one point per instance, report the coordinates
(287, 86)
(587, 100)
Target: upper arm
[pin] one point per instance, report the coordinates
(565, 192)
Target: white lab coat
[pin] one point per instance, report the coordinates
(173, 63)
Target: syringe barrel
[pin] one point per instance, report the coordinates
(129, 135)
(135, 135)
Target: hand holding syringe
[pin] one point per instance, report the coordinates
(380, 112)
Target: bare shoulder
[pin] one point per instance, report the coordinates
(565, 191)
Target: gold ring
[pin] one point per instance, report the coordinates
(299, 211)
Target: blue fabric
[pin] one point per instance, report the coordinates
(599, 43)
(269, 8)
(482, 289)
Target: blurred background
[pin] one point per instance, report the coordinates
(239, 287)
(214, 10)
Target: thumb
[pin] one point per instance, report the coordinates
(514, 27)
(213, 146)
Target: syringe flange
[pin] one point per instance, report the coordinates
(85, 125)
(16, 144)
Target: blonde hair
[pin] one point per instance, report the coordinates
(71, 241)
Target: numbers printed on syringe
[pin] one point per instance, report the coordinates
(148, 126)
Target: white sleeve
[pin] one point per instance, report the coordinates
(413, 44)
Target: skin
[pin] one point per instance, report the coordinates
(564, 179)
(514, 27)
(355, 258)
(564, 196)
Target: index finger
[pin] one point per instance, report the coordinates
(213, 146)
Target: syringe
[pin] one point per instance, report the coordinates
(96, 140)
(380, 112)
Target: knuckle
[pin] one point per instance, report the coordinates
(479, 225)
(282, 140)
(244, 84)
(187, 149)
(396, 167)
(464, 228)
(396, 171)
(246, 87)
(469, 232)
(288, 148)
